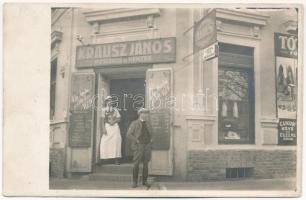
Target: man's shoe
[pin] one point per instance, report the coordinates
(146, 184)
(134, 185)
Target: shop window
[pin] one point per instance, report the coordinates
(53, 87)
(236, 100)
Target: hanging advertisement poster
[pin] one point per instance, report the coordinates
(205, 32)
(286, 51)
(286, 77)
(287, 132)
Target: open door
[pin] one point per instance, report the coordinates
(102, 92)
(80, 139)
(159, 91)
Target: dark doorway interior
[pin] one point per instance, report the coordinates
(128, 96)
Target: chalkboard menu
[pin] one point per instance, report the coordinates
(159, 93)
(80, 128)
(81, 110)
(287, 131)
(160, 122)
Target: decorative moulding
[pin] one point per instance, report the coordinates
(56, 36)
(56, 122)
(239, 23)
(291, 26)
(201, 117)
(104, 15)
(241, 17)
(269, 122)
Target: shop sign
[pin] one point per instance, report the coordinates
(211, 52)
(162, 50)
(205, 32)
(286, 45)
(287, 131)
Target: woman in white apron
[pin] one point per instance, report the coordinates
(110, 145)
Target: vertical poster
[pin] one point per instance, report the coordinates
(81, 112)
(159, 93)
(286, 51)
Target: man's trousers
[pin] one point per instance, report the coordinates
(142, 153)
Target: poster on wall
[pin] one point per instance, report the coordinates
(81, 112)
(286, 51)
(286, 93)
(159, 93)
(287, 131)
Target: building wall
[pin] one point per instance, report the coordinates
(71, 23)
(63, 54)
(197, 154)
(267, 73)
(275, 24)
(212, 164)
(182, 71)
(61, 22)
(206, 158)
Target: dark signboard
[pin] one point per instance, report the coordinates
(160, 122)
(80, 128)
(159, 93)
(205, 33)
(286, 45)
(161, 50)
(287, 131)
(81, 110)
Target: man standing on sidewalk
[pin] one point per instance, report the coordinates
(140, 134)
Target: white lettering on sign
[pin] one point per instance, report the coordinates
(141, 51)
(167, 46)
(125, 49)
(289, 43)
(287, 123)
(286, 45)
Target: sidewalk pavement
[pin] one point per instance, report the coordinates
(244, 184)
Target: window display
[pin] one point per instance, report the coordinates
(235, 105)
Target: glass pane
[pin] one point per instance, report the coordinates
(235, 105)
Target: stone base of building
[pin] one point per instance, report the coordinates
(57, 162)
(228, 164)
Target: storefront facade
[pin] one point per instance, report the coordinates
(214, 119)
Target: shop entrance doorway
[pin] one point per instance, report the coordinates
(128, 96)
(132, 88)
(127, 88)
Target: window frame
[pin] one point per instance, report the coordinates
(53, 77)
(249, 69)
